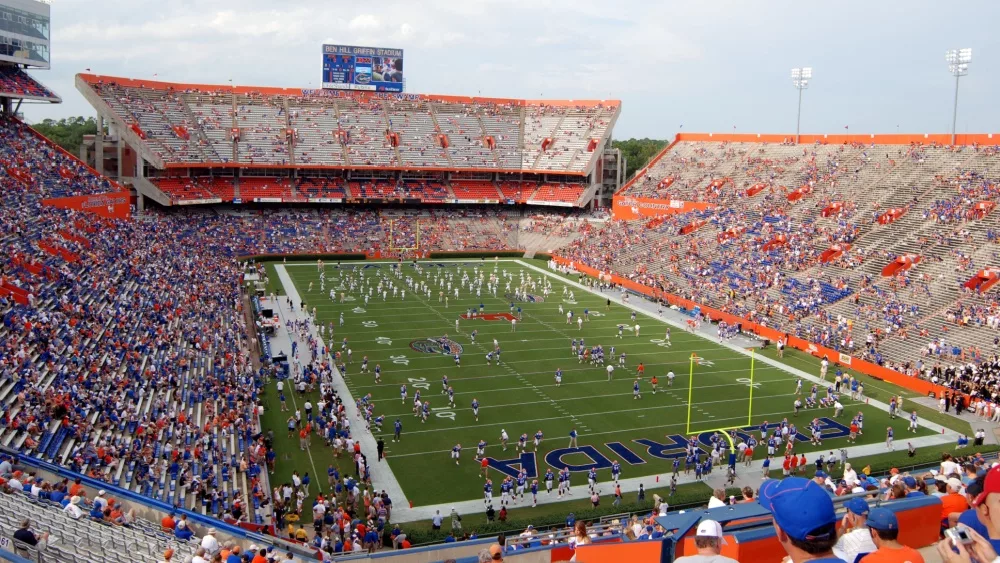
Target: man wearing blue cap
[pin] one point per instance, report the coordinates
(804, 519)
(855, 538)
(885, 529)
(910, 482)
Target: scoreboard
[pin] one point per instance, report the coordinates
(373, 69)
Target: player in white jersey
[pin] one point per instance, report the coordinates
(611, 370)
(670, 378)
(503, 438)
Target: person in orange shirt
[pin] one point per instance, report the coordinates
(952, 502)
(76, 489)
(260, 557)
(885, 529)
(168, 522)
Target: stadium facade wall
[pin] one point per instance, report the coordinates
(914, 384)
(112, 205)
(628, 208)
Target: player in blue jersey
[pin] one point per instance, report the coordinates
(475, 408)
(489, 359)
(861, 423)
(425, 412)
(888, 437)
(559, 377)
(573, 346)
(473, 335)
(451, 396)
(892, 408)
(697, 470)
(364, 364)
(635, 390)
(522, 483)
(458, 360)
(549, 476)
(480, 450)
(378, 422)
(616, 470)
(402, 393)
(592, 479)
(538, 439)
(913, 421)
(505, 490)
(455, 451)
(398, 427)
(763, 430)
(378, 373)
(488, 492)
(444, 384)
(522, 443)
(534, 492)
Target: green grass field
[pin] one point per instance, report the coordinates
(521, 396)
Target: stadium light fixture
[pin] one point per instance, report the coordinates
(958, 65)
(800, 79)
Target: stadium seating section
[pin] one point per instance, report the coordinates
(182, 124)
(17, 83)
(800, 234)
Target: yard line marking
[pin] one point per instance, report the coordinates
(590, 414)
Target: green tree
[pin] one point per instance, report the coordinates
(638, 152)
(68, 132)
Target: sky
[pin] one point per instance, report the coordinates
(698, 66)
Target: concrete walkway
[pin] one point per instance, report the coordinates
(383, 477)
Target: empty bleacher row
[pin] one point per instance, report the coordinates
(182, 124)
(799, 236)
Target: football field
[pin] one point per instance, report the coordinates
(414, 340)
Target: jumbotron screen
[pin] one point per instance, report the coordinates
(374, 69)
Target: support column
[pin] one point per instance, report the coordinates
(119, 144)
(99, 146)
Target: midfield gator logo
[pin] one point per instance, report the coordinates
(491, 317)
(445, 346)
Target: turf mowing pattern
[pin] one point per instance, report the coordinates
(521, 395)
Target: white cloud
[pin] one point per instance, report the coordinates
(695, 63)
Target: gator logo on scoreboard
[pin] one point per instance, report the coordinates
(528, 298)
(507, 317)
(445, 346)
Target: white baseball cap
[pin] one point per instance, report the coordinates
(710, 529)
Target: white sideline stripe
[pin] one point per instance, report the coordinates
(381, 474)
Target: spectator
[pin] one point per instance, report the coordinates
(210, 543)
(953, 502)
(717, 499)
(200, 556)
(804, 518)
(708, 538)
(168, 556)
(26, 536)
(496, 552)
(854, 536)
(984, 516)
(73, 508)
(884, 531)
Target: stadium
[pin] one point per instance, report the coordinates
(352, 322)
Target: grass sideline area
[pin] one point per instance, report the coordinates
(521, 395)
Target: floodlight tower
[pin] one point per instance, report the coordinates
(800, 79)
(958, 65)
